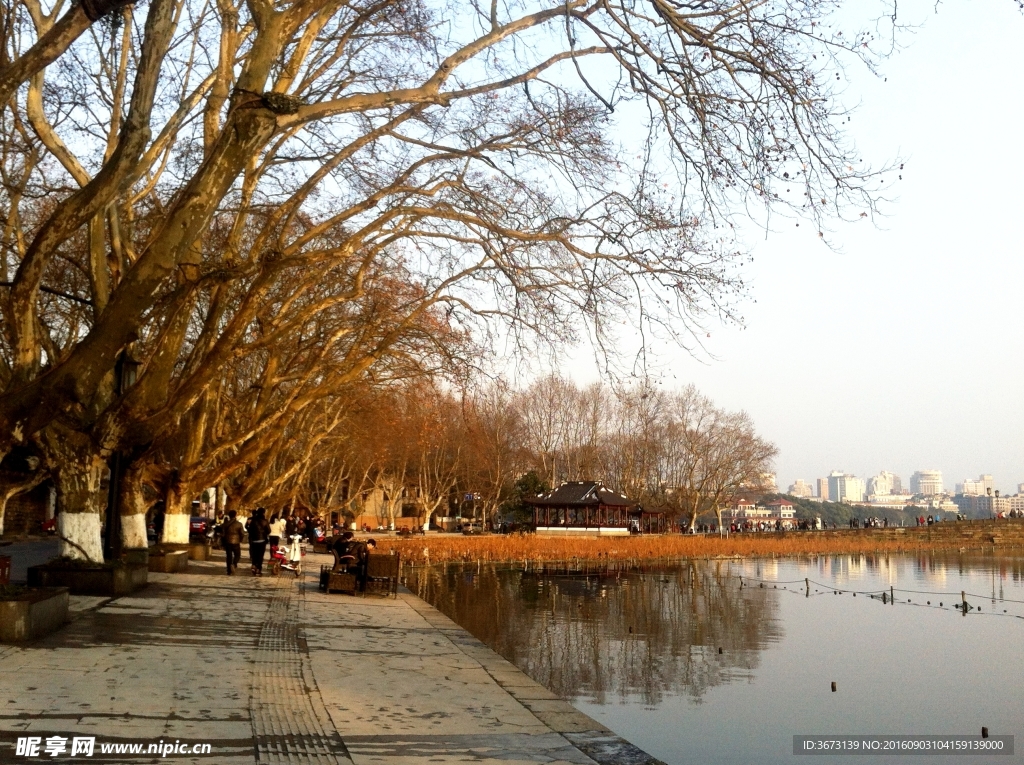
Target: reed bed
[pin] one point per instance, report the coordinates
(524, 548)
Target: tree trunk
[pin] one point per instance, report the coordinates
(13, 489)
(77, 466)
(133, 508)
(177, 512)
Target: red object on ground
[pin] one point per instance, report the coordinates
(5, 569)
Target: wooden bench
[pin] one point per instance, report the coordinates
(341, 577)
(342, 581)
(382, 573)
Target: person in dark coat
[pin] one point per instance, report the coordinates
(158, 522)
(342, 547)
(259, 534)
(361, 552)
(231, 538)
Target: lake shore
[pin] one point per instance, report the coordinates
(272, 671)
(970, 535)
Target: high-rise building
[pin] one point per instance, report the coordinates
(884, 484)
(800, 488)
(926, 482)
(823, 488)
(983, 485)
(844, 487)
(982, 506)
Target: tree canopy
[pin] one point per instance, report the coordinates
(258, 203)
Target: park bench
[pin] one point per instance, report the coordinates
(382, 573)
(341, 577)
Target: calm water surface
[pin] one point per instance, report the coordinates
(639, 650)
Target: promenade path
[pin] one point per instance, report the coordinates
(270, 670)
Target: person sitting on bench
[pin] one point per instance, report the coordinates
(361, 552)
(343, 554)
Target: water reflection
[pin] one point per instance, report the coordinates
(638, 650)
(613, 635)
(678, 630)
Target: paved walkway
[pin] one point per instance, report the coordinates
(272, 671)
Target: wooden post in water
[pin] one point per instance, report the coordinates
(833, 686)
(963, 599)
(892, 597)
(807, 581)
(984, 732)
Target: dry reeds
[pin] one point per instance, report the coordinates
(513, 548)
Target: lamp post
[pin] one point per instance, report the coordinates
(125, 370)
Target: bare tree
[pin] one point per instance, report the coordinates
(713, 455)
(229, 141)
(494, 454)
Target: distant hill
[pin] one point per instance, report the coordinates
(840, 513)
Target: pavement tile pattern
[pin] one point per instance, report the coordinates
(270, 670)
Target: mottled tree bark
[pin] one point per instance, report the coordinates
(78, 467)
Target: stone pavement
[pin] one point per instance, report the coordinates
(269, 670)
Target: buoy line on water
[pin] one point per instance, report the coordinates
(825, 589)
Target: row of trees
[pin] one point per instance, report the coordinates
(216, 218)
(675, 451)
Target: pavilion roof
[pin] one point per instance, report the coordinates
(581, 494)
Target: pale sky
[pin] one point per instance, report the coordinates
(904, 350)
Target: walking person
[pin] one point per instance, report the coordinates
(231, 539)
(259, 534)
(278, 529)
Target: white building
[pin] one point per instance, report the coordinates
(744, 509)
(844, 487)
(983, 485)
(885, 483)
(890, 501)
(782, 509)
(926, 482)
(800, 488)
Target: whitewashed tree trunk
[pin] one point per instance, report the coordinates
(77, 468)
(177, 513)
(81, 502)
(133, 514)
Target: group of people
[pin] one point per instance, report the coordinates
(261, 531)
(350, 554)
(870, 523)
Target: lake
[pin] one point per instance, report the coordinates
(725, 661)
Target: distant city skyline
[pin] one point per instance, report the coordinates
(866, 484)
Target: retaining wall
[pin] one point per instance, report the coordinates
(997, 532)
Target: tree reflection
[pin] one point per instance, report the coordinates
(613, 635)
